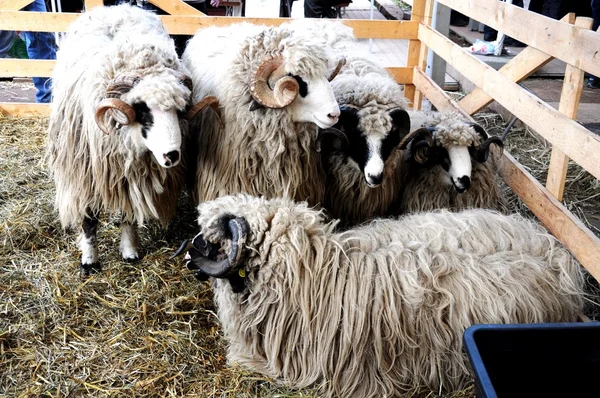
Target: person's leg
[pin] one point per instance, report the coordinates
(6, 41)
(317, 9)
(40, 45)
(554, 9)
(594, 81)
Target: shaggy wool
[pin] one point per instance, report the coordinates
(428, 188)
(262, 152)
(380, 310)
(374, 92)
(98, 172)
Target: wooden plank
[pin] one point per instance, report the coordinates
(574, 235)
(572, 44)
(417, 53)
(517, 69)
(189, 25)
(573, 139)
(21, 109)
(569, 103)
(403, 75)
(414, 46)
(176, 7)
(89, 4)
(12, 67)
(14, 5)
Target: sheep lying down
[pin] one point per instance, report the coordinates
(379, 310)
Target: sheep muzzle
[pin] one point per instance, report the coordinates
(208, 259)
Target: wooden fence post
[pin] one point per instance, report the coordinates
(569, 102)
(417, 52)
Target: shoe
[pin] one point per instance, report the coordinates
(593, 82)
(510, 42)
(490, 38)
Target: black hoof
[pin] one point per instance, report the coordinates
(132, 260)
(87, 269)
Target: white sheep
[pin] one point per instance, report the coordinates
(273, 89)
(451, 165)
(114, 137)
(378, 310)
(364, 175)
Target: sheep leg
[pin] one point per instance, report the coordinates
(129, 242)
(89, 246)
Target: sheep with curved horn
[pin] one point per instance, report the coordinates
(449, 165)
(114, 139)
(273, 92)
(378, 310)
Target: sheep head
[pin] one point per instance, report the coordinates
(307, 97)
(371, 134)
(452, 146)
(224, 260)
(147, 105)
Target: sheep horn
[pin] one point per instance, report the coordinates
(419, 134)
(339, 139)
(480, 130)
(285, 91)
(337, 69)
(121, 84)
(238, 228)
(121, 111)
(184, 246)
(211, 101)
(483, 151)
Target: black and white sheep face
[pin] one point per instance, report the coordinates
(159, 132)
(458, 164)
(368, 151)
(315, 102)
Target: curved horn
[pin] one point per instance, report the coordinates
(338, 139)
(121, 84)
(480, 130)
(483, 151)
(338, 68)
(238, 228)
(211, 101)
(424, 133)
(120, 111)
(420, 151)
(286, 88)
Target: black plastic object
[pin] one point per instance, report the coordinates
(535, 360)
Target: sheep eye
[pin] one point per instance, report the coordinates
(303, 86)
(143, 116)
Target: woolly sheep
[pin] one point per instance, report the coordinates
(273, 89)
(377, 310)
(449, 165)
(364, 176)
(114, 137)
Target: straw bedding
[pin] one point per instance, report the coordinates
(140, 330)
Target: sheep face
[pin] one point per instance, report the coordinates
(372, 136)
(147, 112)
(451, 147)
(315, 102)
(235, 229)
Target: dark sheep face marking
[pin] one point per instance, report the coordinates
(303, 86)
(144, 117)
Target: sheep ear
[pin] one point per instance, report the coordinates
(254, 105)
(331, 140)
(401, 121)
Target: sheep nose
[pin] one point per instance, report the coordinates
(333, 115)
(171, 158)
(463, 184)
(375, 179)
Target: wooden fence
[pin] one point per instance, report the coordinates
(570, 40)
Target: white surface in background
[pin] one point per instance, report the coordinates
(262, 8)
